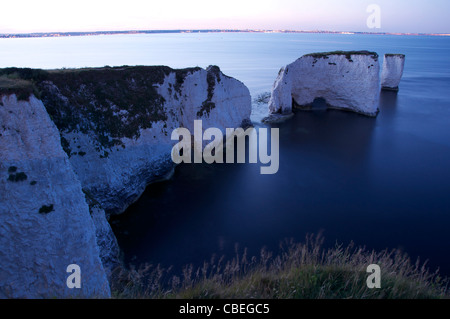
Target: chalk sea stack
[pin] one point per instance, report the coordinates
(347, 80)
(392, 71)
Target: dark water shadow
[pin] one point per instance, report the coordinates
(206, 209)
(388, 103)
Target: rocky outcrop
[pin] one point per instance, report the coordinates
(45, 223)
(118, 132)
(89, 142)
(392, 72)
(109, 250)
(346, 80)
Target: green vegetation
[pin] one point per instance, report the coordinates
(395, 55)
(101, 101)
(110, 103)
(180, 75)
(12, 169)
(212, 76)
(21, 88)
(348, 54)
(306, 271)
(17, 177)
(105, 154)
(46, 209)
(20, 81)
(66, 146)
(262, 98)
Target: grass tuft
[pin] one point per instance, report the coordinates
(262, 98)
(300, 270)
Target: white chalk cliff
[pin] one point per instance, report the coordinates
(91, 144)
(346, 80)
(44, 218)
(392, 72)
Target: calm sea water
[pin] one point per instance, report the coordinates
(382, 183)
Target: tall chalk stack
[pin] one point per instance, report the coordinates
(392, 71)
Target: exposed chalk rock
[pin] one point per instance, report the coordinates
(107, 243)
(45, 223)
(392, 72)
(346, 80)
(116, 123)
(87, 147)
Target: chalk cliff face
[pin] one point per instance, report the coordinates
(44, 218)
(346, 80)
(392, 72)
(118, 140)
(90, 144)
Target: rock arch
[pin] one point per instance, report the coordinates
(347, 80)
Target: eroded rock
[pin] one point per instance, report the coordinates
(392, 72)
(345, 80)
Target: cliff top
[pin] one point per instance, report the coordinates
(25, 81)
(97, 100)
(348, 54)
(402, 56)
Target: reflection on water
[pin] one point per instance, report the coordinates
(389, 101)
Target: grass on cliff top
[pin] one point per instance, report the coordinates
(348, 54)
(17, 78)
(299, 271)
(109, 102)
(12, 85)
(20, 81)
(395, 55)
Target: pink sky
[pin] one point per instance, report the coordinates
(344, 15)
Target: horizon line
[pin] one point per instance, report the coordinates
(115, 32)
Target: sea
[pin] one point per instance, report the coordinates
(381, 183)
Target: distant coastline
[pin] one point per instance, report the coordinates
(95, 33)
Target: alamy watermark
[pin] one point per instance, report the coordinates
(374, 19)
(213, 151)
(374, 279)
(74, 279)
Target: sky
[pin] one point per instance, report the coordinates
(406, 16)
